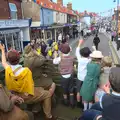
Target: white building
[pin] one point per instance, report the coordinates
(59, 18)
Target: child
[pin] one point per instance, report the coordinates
(110, 103)
(104, 77)
(83, 59)
(91, 80)
(66, 67)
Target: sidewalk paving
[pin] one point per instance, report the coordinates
(114, 45)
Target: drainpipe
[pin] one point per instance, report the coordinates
(22, 9)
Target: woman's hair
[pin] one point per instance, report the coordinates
(13, 57)
(85, 52)
(114, 79)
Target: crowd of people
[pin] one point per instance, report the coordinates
(98, 86)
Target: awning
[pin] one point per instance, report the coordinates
(35, 24)
(9, 31)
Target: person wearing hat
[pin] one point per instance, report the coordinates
(66, 67)
(19, 80)
(83, 59)
(91, 80)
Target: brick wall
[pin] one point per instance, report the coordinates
(18, 5)
(4, 8)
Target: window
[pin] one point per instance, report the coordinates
(13, 11)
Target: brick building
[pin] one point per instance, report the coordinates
(14, 30)
(6, 10)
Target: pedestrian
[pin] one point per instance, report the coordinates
(82, 33)
(83, 59)
(59, 38)
(91, 80)
(96, 41)
(112, 36)
(118, 42)
(66, 67)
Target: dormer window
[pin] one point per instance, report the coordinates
(13, 11)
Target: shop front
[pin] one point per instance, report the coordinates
(14, 33)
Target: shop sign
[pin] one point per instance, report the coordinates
(13, 23)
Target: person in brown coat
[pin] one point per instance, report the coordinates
(8, 110)
(37, 64)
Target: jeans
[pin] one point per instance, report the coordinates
(90, 114)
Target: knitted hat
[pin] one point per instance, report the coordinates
(13, 57)
(65, 48)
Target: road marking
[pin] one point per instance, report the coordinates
(114, 54)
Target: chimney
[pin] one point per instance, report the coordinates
(60, 2)
(69, 6)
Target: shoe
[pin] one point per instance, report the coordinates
(53, 118)
(80, 105)
(66, 102)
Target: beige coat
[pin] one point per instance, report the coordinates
(8, 111)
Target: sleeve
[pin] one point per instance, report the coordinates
(78, 53)
(5, 103)
(56, 60)
(39, 61)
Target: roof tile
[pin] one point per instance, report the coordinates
(54, 6)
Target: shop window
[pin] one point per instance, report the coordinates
(13, 11)
(11, 40)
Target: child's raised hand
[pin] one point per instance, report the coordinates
(80, 42)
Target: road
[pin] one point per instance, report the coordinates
(103, 46)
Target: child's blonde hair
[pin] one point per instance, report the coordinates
(107, 61)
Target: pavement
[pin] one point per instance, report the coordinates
(115, 52)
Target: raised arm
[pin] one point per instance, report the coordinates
(78, 50)
(4, 62)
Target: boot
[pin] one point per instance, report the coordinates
(72, 101)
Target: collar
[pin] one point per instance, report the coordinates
(116, 94)
(66, 54)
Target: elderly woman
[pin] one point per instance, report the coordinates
(19, 80)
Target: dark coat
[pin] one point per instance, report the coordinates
(96, 40)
